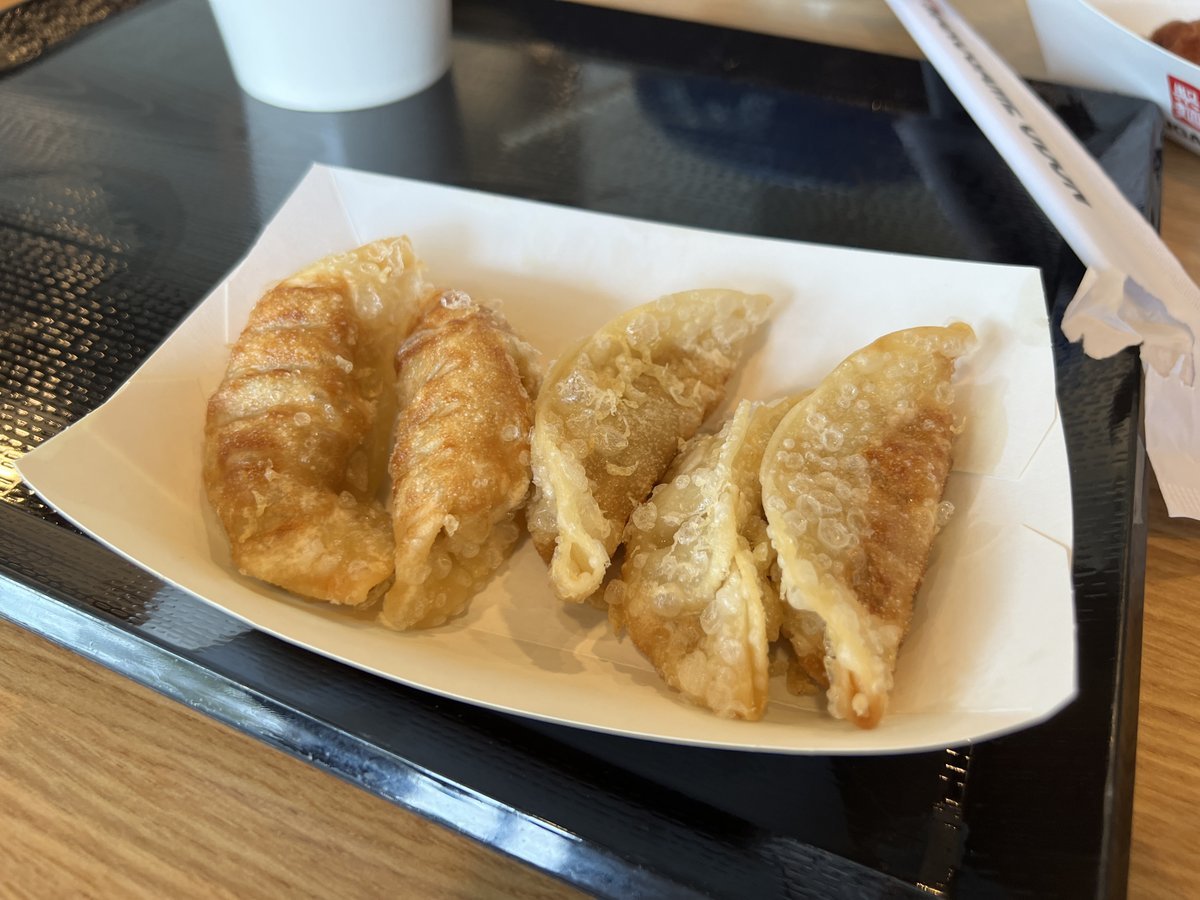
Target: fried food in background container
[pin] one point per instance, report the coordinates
(1141, 49)
(1181, 38)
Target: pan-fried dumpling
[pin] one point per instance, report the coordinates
(694, 592)
(803, 634)
(852, 485)
(460, 464)
(301, 421)
(612, 415)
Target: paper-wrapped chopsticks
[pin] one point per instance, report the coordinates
(1135, 291)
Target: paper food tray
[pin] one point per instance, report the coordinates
(992, 643)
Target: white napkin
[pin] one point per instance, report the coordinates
(1135, 291)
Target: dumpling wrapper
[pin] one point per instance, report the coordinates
(695, 594)
(612, 415)
(301, 422)
(460, 462)
(852, 484)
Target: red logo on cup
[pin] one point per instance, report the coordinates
(1185, 102)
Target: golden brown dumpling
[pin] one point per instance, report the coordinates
(301, 421)
(460, 464)
(611, 418)
(803, 633)
(852, 482)
(694, 592)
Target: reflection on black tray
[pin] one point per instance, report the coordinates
(113, 235)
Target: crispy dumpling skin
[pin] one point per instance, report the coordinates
(460, 462)
(852, 485)
(292, 430)
(611, 418)
(694, 593)
(804, 635)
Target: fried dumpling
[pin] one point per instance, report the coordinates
(460, 462)
(694, 593)
(301, 421)
(852, 485)
(612, 415)
(803, 635)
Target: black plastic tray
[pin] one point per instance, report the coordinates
(134, 173)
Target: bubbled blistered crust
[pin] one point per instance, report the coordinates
(694, 593)
(460, 464)
(852, 487)
(613, 414)
(292, 428)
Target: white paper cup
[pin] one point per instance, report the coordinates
(335, 55)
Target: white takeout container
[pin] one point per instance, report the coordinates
(992, 644)
(1106, 45)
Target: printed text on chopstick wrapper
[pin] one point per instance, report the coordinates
(1005, 101)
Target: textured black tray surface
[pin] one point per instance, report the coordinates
(30, 29)
(133, 175)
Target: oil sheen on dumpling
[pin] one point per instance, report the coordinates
(301, 421)
(694, 592)
(852, 486)
(460, 463)
(611, 418)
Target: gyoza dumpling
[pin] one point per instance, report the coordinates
(694, 592)
(852, 486)
(460, 464)
(612, 415)
(301, 421)
(803, 634)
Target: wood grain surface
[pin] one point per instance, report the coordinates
(1166, 799)
(110, 790)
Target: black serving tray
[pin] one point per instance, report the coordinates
(133, 175)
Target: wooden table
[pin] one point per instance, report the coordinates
(217, 814)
